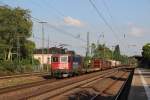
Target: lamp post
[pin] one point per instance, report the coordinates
(42, 23)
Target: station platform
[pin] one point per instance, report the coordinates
(140, 87)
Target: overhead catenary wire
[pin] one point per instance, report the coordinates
(54, 27)
(57, 11)
(61, 14)
(58, 43)
(103, 18)
(47, 6)
(110, 15)
(62, 31)
(107, 8)
(47, 40)
(57, 29)
(105, 21)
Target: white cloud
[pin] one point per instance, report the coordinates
(73, 22)
(135, 30)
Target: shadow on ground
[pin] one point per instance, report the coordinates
(47, 76)
(117, 78)
(86, 95)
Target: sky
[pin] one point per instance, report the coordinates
(68, 22)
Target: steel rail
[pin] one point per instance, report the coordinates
(23, 75)
(77, 84)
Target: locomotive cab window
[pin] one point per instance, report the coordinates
(63, 59)
(54, 59)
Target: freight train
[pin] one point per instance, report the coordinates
(67, 65)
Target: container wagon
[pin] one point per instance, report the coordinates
(96, 64)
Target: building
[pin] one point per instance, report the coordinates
(45, 57)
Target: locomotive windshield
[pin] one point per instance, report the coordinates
(54, 59)
(63, 59)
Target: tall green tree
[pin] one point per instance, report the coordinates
(15, 29)
(116, 53)
(117, 49)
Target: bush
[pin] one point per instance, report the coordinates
(25, 65)
(7, 67)
(46, 67)
(36, 62)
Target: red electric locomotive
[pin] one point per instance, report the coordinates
(65, 65)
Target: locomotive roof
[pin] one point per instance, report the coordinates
(61, 55)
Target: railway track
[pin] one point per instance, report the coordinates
(108, 88)
(35, 89)
(83, 91)
(24, 75)
(111, 91)
(52, 93)
(27, 85)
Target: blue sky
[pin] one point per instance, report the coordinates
(77, 17)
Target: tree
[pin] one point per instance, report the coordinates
(28, 49)
(102, 52)
(15, 27)
(116, 53)
(117, 50)
(146, 51)
(144, 61)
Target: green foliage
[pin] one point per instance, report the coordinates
(146, 51)
(28, 49)
(8, 66)
(145, 62)
(116, 54)
(15, 27)
(87, 61)
(36, 62)
(102, 52)
(25, 65)
(117, 50)
(124, 59)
